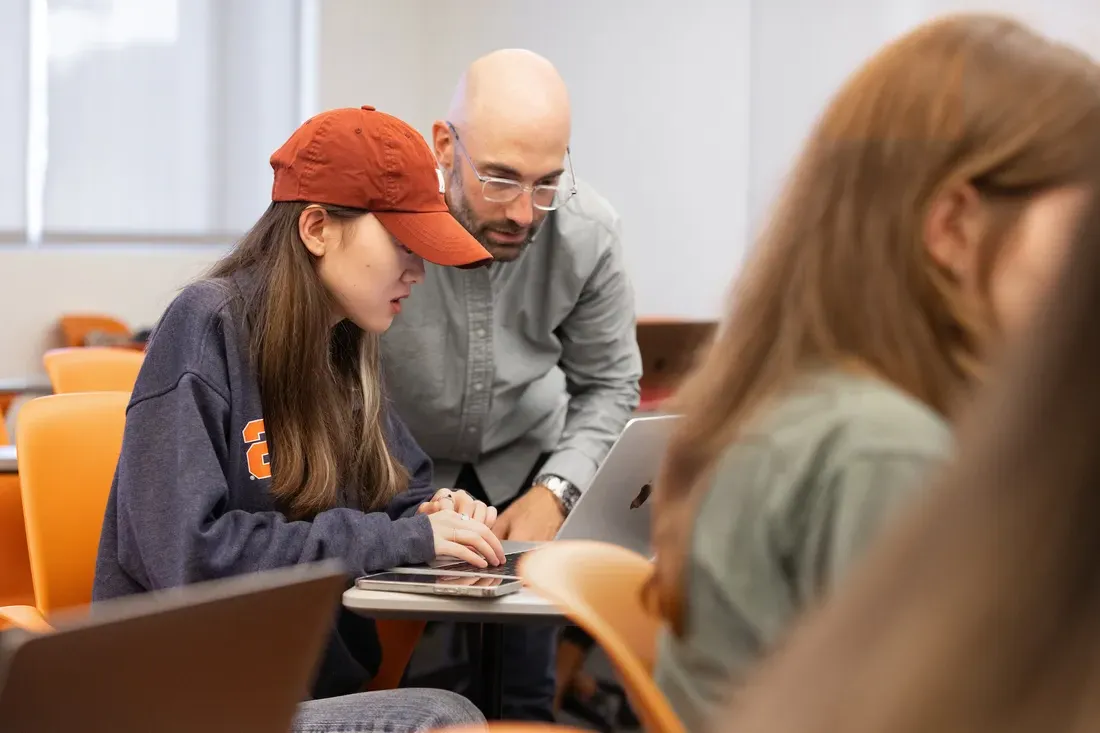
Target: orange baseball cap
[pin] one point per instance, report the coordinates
(366, 159)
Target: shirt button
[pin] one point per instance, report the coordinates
(480, 333)
(478, 386)
(471, 429)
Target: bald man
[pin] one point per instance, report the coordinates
(517, 378)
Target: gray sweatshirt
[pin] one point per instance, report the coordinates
(191, 502)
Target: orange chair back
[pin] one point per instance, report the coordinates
(92, 369)
(599, 587)
(75, 327)
(5, 439)
(67, 447)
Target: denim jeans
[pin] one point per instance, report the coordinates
(391, 711)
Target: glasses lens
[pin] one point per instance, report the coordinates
(544, 196)
(549, 198)
(500, 191)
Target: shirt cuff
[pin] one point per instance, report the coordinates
(572, 465)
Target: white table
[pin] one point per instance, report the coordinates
(7, 459)
(37, 384)
(490, 613)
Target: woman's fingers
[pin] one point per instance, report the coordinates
(477, 543)
(464, 503)
(461, 552)
(493, 542)
(479, 512)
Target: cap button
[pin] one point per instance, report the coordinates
(368, 108)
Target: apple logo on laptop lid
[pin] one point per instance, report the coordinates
(641, 497)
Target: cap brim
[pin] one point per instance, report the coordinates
(436, 236)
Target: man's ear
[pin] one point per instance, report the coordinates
(443, 145)
(312, 230)
(953, 229)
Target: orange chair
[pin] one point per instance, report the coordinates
(67, 446)
(75, 327)
(5, 439)
(92, 369)
(599, 587)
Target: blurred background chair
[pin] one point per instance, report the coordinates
(599, 587)
(67, 446)
(92, 369)
(77, 327)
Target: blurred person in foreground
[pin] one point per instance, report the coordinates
(925, 221)
(979, 610)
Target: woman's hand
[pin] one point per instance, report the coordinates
(457, 535)
(459, 501)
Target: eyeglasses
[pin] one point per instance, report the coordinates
(545, 197)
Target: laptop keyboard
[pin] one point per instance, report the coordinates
(509, 567)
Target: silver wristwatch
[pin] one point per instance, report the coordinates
(567, 493)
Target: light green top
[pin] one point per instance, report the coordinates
(794, 501)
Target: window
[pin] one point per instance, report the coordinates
(13, 120)
(146, 121)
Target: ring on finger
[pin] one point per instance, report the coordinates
(464, 517)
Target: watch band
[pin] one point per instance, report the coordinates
(566, 493)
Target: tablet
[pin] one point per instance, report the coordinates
(435, 583)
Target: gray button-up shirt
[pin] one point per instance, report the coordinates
(495, 366)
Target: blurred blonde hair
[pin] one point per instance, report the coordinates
(842, 274)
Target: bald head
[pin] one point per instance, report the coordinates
(508, 158)
(511, 92)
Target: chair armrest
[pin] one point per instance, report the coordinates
(25, 617)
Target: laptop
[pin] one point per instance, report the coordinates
(615, 508)
(229, 655)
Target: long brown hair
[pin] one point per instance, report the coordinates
(841, 274)
(979, 610)
(320, 386)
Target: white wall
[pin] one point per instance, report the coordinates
(37, 286)
(659, 108)
(687, 116)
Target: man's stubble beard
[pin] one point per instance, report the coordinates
(461, 210)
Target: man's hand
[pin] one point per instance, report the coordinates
(534, 517)
(461, 502)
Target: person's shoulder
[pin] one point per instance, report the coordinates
(842, 413)
(195, 310)
(795, 442)
(588, 218)
(191, 337)
(821, 424)
(874, 417)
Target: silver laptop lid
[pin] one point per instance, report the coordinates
(616, 508)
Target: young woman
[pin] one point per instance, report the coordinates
(258, 435)
(967, 624)
(924, 221)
